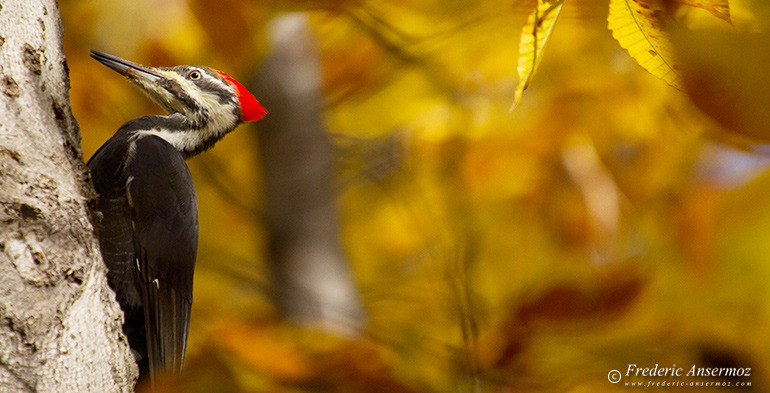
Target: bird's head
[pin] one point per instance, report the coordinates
(207, 98)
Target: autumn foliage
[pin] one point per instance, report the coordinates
(532, 193)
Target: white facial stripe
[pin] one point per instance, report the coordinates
(220, 122)
(219, 118)
(208, 101)
(181, 140)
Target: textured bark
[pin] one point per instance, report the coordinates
(60, 327)
(312, 279)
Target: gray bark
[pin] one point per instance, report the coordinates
(313, 282)
(60, 327)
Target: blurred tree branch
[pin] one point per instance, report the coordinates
(313, 281)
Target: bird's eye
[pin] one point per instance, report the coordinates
(194, 75)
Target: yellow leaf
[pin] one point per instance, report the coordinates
(718, 8)
(636, 26)
(534, 35)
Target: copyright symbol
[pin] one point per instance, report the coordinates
(614, 376)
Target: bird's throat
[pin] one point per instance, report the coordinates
(190, 135)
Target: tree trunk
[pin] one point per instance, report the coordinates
(60, 327)
(312, 278)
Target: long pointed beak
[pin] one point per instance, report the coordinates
(127, 68)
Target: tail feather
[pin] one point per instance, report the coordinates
(167, 320)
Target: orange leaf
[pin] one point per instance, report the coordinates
(725, 75)
(261, 348)
(359, 368)
(609, 296)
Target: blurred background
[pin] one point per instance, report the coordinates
(393, 226)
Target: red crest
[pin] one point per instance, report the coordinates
(251, 109)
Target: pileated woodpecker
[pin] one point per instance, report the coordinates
(149, 234)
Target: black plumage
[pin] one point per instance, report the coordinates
(149, 239)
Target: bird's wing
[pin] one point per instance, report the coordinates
(161, 195)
